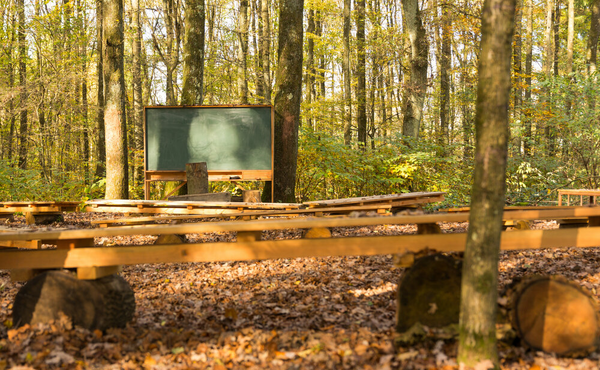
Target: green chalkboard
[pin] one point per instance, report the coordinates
(226, 138)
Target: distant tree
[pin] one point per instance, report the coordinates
(479, 291)
(100, 171)
(347, 76)
(414, 94)
(138, 105)
(361, 71)
(114, 111)
(23, 129)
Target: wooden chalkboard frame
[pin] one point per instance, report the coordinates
(213, 175)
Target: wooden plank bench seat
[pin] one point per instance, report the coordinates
(70, 255)
(182, 207)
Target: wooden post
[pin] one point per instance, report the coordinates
(197, 177)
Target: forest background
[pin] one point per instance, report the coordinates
(360, 76)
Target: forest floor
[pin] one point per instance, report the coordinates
(305, 313)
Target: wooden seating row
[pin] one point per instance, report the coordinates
(75, 248)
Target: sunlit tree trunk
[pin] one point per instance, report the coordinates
(193, 53)
(265, 47)
(479, 292)
(517, 91)
(570, 40)
(414, 94)
(361, 94)
(310, 65)
(547, 63)
(347, 76)
(288, 95)
(114, 111)
(84, 91)
(138, 105)
(242, 53)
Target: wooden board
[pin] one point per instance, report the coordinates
(247, 213)
(592, 193)
(181, 207)
(295, 248)
(278, 224)
(38, 207)
(388, 198)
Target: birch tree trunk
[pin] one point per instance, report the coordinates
(114, 112)
(528, 73)
(479, 292)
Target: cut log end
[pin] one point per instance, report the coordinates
(100, 304)
(555, 315)
(429, 293)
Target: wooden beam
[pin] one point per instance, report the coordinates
(295, 248)
(288, 224)
(96, 272)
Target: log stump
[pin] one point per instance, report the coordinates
(170, 239)
(100, 304)
(429, 293)
(197, 178)
(555, 315)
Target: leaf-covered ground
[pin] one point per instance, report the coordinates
(305, 313)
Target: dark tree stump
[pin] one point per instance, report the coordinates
(197, 178)
(429, 293)
(553, 314)
(103, 303)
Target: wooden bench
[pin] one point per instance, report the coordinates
(36, 211)
(592, 194)
(75, 247)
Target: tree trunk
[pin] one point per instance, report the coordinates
(477, 328)
(242, 53)
(528, 74)
(592, 47)
(361, 95)
(570, 39)
(23, 130)
(287, 99)
(310, 65)
(547, 67)
(415, 89)
(445, 58)
(265, 46)
(100, 171)
(518, 91)
(138, 105)
(347, 77)
(114, 113)
(193, 53)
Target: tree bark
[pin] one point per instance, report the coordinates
(415, 89)
(592, 47)
(570, 40)
(517, 72)
(242, 52)
(477, 328)
(347, 77)
(114, 113)
(100, 171)
(528, 74)
(310, 65)
(193, 53)
(23, 129)
(265, 47)
(138, 105)
(445, 58)
(287, 99)
(361, 94)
